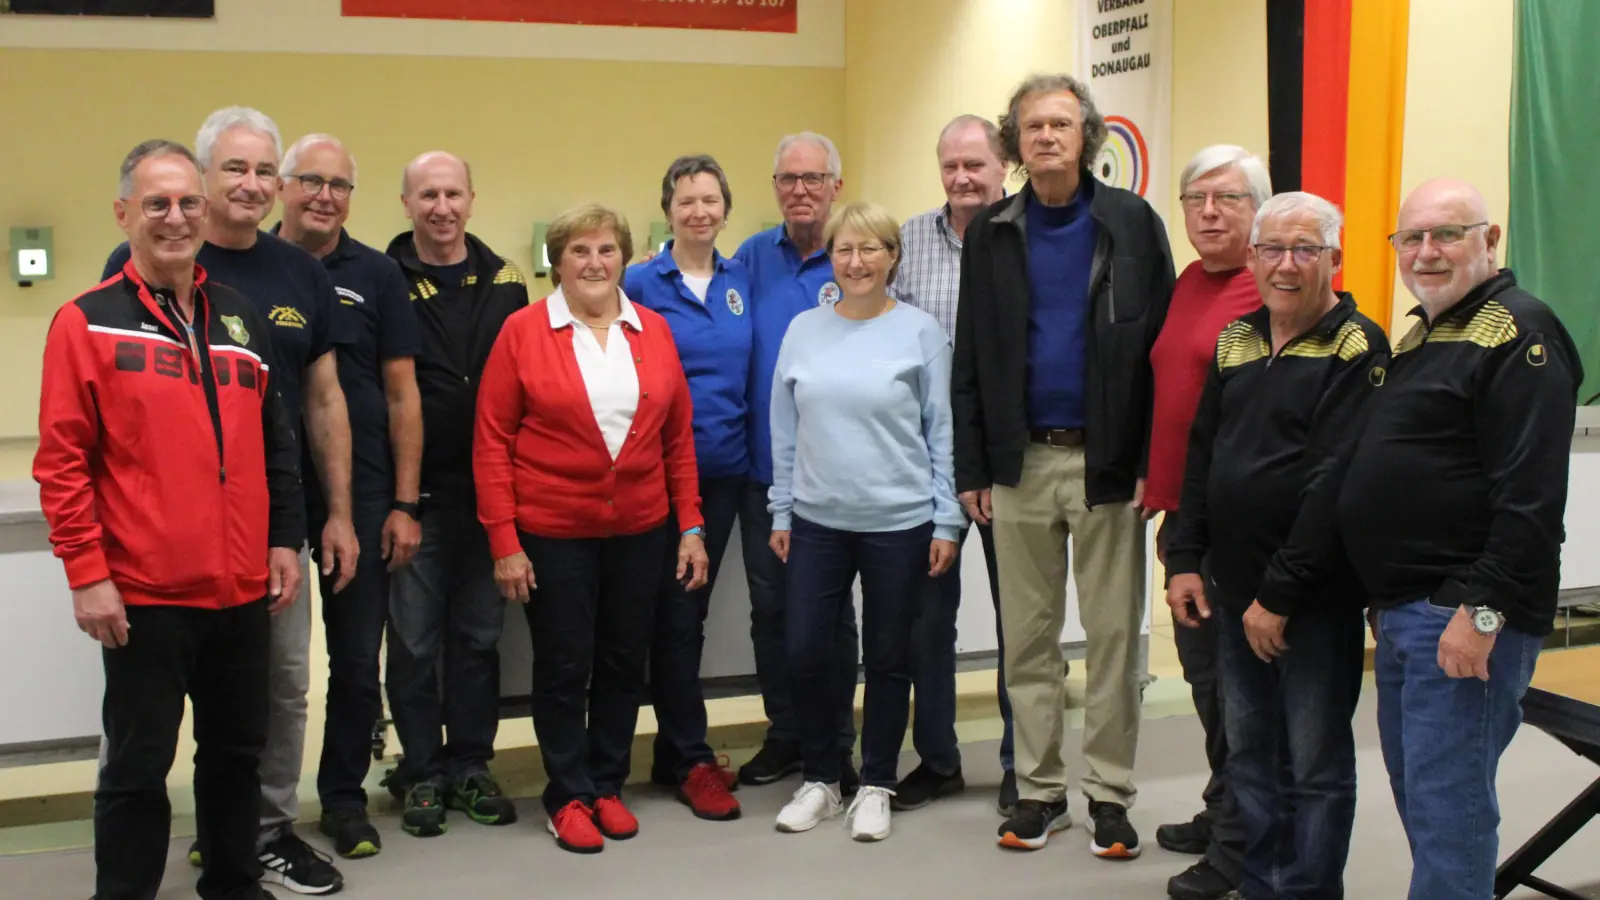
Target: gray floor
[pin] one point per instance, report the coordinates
(946, 850)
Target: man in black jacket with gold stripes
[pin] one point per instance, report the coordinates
(1281, 406)
(1451, 511)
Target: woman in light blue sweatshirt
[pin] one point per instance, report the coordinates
(863, 485)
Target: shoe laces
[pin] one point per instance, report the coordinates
(484, 784)
(707, 777)
(815, 787)
(870, 795)
(424, 794)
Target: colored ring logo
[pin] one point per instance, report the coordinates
(1124, 161)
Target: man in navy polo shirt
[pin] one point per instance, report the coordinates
(240, 150)
(380, 385)
(790, 272)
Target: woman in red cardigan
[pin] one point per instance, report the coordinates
(583, 443)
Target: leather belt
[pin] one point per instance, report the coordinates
(1057, 437)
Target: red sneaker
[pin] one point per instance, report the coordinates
(573, 827)
(705, 790)
(614, 820)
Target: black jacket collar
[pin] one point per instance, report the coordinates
(1468, 306)
(1326, 327)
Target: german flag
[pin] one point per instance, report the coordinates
(1336, 94)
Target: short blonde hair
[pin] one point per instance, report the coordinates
(582, 220)
(871, 220)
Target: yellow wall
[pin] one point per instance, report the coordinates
(540, 134)
(1458, 107)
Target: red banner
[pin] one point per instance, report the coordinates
(719, 15)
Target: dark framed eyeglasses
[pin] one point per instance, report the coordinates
(159, 206)
(1441, 235)
(812, 180)
(313, 185)
(1304, 254)
(1196, 200)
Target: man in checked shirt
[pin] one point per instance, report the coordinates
(930, 279)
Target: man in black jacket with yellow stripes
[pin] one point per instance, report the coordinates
(1281, 406)
(1451, 510)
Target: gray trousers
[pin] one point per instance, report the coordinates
(288, 680)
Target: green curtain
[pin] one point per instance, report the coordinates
(1554, 239)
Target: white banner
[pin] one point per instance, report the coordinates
(1125, 57)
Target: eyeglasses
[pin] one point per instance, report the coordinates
(1196, 200)
(1304, 254)
(1441, 235)
(313, 184)
(193, 206)
(865, 251)
(812, 180)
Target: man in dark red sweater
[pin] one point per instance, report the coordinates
(1221, 189)
(159, 419)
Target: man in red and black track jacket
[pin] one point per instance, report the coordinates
(168, 475)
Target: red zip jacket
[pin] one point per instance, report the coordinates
(539, 460)
(168, 471)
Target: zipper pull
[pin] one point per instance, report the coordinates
(222, 475)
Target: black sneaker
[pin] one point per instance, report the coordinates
(1200, 881)
(1033, 824)
(923, 786)
(1191, 837)
(479, 796)
(424, 815)
(1113, 836)
(353, 836)
(776, 761)
(299, 867)
(849, 778)
(1008, 794)
(194, 855)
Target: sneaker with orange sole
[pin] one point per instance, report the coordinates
(574, 829)
(705, 792)
(614, 820)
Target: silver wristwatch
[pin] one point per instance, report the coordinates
(1486, 621)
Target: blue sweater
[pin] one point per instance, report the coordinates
(861, 424)
(714, 340)
(784, 286)
(1061, 241)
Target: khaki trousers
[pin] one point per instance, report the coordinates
(1032, 524)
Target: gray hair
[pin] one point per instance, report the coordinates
(835, 165)
(966, 120)
(149, 150)
(291, 157)
(227, 119)
(1094, 124)
(1329, 219)
(1222, 156)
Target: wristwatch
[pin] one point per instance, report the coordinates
(1486, 621)
(411, 509)
(695, 530)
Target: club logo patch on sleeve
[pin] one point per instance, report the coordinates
(236, 330)
(1377, 375)
(828, 294)
(735, 302)
(1537, 355)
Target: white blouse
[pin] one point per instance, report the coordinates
(608, 372)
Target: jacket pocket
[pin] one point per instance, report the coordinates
(1127, 283)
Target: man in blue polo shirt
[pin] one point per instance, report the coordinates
(790, 272)
(240, 150)
(379, 378)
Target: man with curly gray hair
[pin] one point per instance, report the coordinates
(1064, 287)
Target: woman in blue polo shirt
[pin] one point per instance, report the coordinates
(703, 296)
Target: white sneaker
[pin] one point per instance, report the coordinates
(812, 804)
(868, 817)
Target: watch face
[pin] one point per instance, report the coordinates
(1487, 621)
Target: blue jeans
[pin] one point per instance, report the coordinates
(1442, 739)
(768, 582)
(933, 727)
(1291, 750)
(445, 604)
(823, 564)
(679, 638)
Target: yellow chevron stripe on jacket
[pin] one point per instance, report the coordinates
(1347, 343)
(1240, 344)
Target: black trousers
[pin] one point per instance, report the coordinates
(590, 617)
(353, 621)
(219, 660)
(1197, 654)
